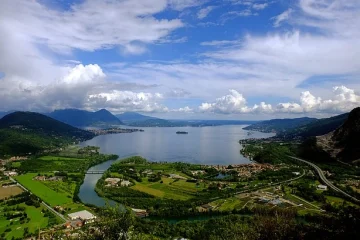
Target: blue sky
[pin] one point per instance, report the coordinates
(230, 59)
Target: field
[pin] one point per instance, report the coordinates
(169, 189)
(48, 195)
(9, 191)
(36, 220)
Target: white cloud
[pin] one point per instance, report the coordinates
(282, 17)
(89, 25)
(231, 103)
(204, 12)
(180, 5)
(220, 43)
(260, 6)
(133, 49)
(186, 109)
(343, 100)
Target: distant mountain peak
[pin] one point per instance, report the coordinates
(83, 118)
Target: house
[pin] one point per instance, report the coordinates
(84, 215)
(112, 181)
(296, 173)
(205, 208)
(125, 183)
(10, 173)
(40, 178)
(322, 187)
(140, 212)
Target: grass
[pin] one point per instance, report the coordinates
(57, 158)
(37, 220)
(48, 195)
(169, 189)
(9, 191)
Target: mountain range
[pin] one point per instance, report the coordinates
(82, 118)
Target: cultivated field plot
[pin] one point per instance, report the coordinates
(169, 188)
(6, 192)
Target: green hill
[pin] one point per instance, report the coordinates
(316, 128)
(280, 125)
(28, 132)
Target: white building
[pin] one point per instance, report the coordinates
(125, 183)
(322, 187)
(84, 215)
(296, 173)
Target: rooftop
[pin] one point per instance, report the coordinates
(84, 215)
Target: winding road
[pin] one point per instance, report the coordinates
(324, 179)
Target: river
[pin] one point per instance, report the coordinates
(203, 145)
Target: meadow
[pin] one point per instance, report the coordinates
(46, 194)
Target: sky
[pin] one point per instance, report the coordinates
(182, 59)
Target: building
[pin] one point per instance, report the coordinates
(322, 187)
(84, 215)
(296, 173)
(125, 183)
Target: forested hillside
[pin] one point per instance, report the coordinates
(279, 125)
(27, 132)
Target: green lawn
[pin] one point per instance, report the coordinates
(37, 220)
(48, 195)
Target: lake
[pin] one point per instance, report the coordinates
(203, 145)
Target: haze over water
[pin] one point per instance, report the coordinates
(203, 145)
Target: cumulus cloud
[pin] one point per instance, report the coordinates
(186, 109)
(343, 100)
(231, 103)
(84, 87)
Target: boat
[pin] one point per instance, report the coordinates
(181, 132)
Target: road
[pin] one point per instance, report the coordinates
(43, 203)
(324, 179)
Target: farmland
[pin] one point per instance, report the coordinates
(6, 192)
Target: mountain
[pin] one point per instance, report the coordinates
(343, 143)
(2, 114)
(82, 118)
(315, 128)
(28, 132)
(347, 137)
(130, 117)
(280, 125)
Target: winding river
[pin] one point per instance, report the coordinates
(203, 145)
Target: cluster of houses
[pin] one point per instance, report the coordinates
(245, 170)
(117, 182)
(46, 178)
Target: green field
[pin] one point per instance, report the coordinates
(37, 221)
(169, 189)
(59, 158)
(48, 195)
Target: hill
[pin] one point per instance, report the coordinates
(343, 143)
(130, 117)
(28, 132)
(347, 137)
(82, 118)
(315, 128)
(280, 125)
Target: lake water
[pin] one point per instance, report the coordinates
(203, 145)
